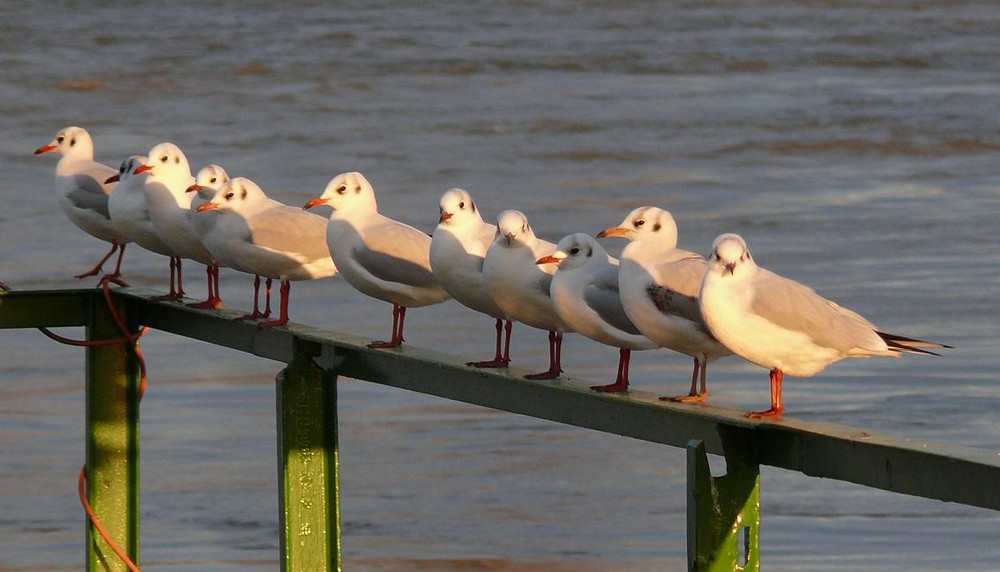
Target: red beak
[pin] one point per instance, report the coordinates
(45, 149)
(142, 169)
(445, 215)
(206, 207)
(318, 201)
(194, 188)
(548, 260)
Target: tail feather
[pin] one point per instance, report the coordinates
(913, 345)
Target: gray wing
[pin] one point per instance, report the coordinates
(796, 307)
(602, 296)
(395, 252)
(677, 292)
(89, 194)
(289, 229)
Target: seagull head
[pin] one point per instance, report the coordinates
(730, 254)
(167, 162)
(574, 251)
(646, 224)
(457, 207)
(238, 195)
(127, 168)
(513, 228)
(71, 141)
(346, 191)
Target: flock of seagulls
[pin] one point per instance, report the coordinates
(656, 296)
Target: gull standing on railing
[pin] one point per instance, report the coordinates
(458, 249)
(82, 192)
(378, 256)
(585, 295)
(782, 325)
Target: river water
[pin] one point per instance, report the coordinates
(854, 145)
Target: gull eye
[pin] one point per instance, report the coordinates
(461, 205)
(213, 179)
(341, 189)
(164, 159)
(60, 139)
(575, 251)
(639, 223)
(229, 196)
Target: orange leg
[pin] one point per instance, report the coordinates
(286, 289)
(777, 405)
(398, 317)
(555, 358)
(621, 380)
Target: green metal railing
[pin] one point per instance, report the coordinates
(723, 512)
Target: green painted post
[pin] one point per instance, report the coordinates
(308, 463)
(112, 425)
(723, 524)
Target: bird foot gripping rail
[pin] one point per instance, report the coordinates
(723, 512)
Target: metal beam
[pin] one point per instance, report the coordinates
(920, 468)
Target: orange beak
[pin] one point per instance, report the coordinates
(550, 259)
(113, 178)
(45, 149)
(143, 169)
(445, 215)
(615, 231)
(194, 188)
(206, 207)
(318, 201)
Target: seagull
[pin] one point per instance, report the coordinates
(127, 207)
(584, 292)
(82, 192)
(782, 325)
(458, 248)
(520, 287)
(259, 235)
(206, 182)
(378, 256)
(170, 209)
(659, 286)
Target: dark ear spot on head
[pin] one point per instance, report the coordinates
(177, 159)
(472, 204)
(357, 189)
(590, 252)
(243, 193)
(656, 227)
(72, 142)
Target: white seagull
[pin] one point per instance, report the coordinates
(206, 182)
(585, 295)
(458, 248)
(170, 209)
(520, 287)
(259, 235)
(782, 325)
(378, 256)
(82, 192)
(128, 210)
(659, 286)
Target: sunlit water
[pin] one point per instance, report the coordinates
(854, 146)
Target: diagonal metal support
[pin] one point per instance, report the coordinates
(308, 463)
(723, 523)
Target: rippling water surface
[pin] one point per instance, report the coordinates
(854, 145)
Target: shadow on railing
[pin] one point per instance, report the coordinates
(723, 512)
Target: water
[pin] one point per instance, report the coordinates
(854, 145)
